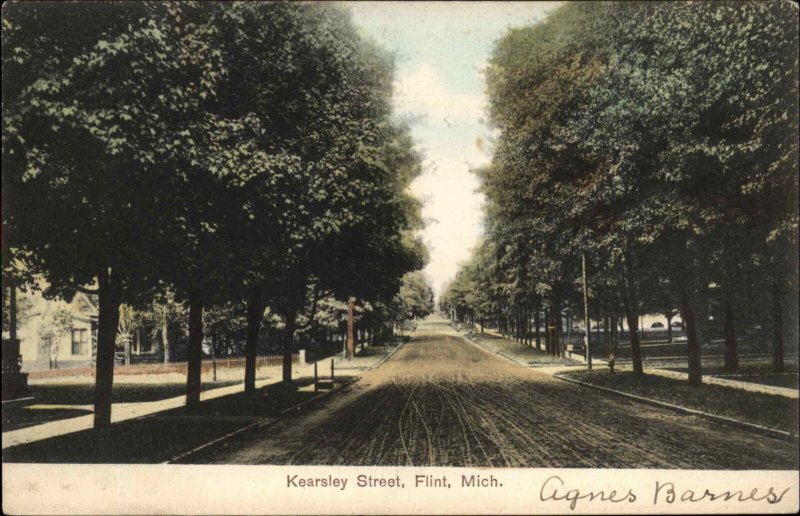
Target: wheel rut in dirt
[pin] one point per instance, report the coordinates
(441, 401)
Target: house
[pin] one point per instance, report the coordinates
(55, 333)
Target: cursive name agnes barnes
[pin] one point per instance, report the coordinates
(554, 489)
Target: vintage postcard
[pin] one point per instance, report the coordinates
(400, 257)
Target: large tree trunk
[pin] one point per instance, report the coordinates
(291, 326)
(668, 315)
(528, 341)
(12, 310)
(561, 349)
(195, 350)
(127, 347)
(731, 352)
(255, 314)
(523, 318)
(689, 319)
(351, 347)
(632, 319)
(109, 298)
(633, 330)
(165, 337)
(612, 353)
(547, 341)
(536, 323)
(777, 328)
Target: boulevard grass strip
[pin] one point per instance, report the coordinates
(762, 374)
(160, 437)
(530, 355)
(778, 412)
(18, 415)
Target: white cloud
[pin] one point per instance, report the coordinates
(423, 92)
(452, 207)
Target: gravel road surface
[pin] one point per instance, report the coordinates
(442, 401)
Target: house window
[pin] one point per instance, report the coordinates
(79, 341)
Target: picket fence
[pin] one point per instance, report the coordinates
(171, 367)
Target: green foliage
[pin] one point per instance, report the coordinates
(204, 150)
(657, 139)
(415, 298)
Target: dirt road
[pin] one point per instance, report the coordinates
(441, 401)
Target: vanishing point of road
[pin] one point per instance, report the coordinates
(442, 401)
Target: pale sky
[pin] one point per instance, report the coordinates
(440, 49)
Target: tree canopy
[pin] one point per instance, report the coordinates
(226, 153)
(659, 141)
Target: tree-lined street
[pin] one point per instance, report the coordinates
(217, 241)
(441, 400)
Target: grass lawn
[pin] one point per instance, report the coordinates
(17, 415)
(767, 410)
(162, 436)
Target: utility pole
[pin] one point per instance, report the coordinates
(586, 340)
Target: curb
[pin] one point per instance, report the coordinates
(387, 357)
(491, 351)
(259, 424)
(510, 359)
(299, 406)
(752, 427)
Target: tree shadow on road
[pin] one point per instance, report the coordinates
(162, 436)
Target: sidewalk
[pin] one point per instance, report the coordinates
(369, 359)
(724, 382)
(528, 357)
(119, 412)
